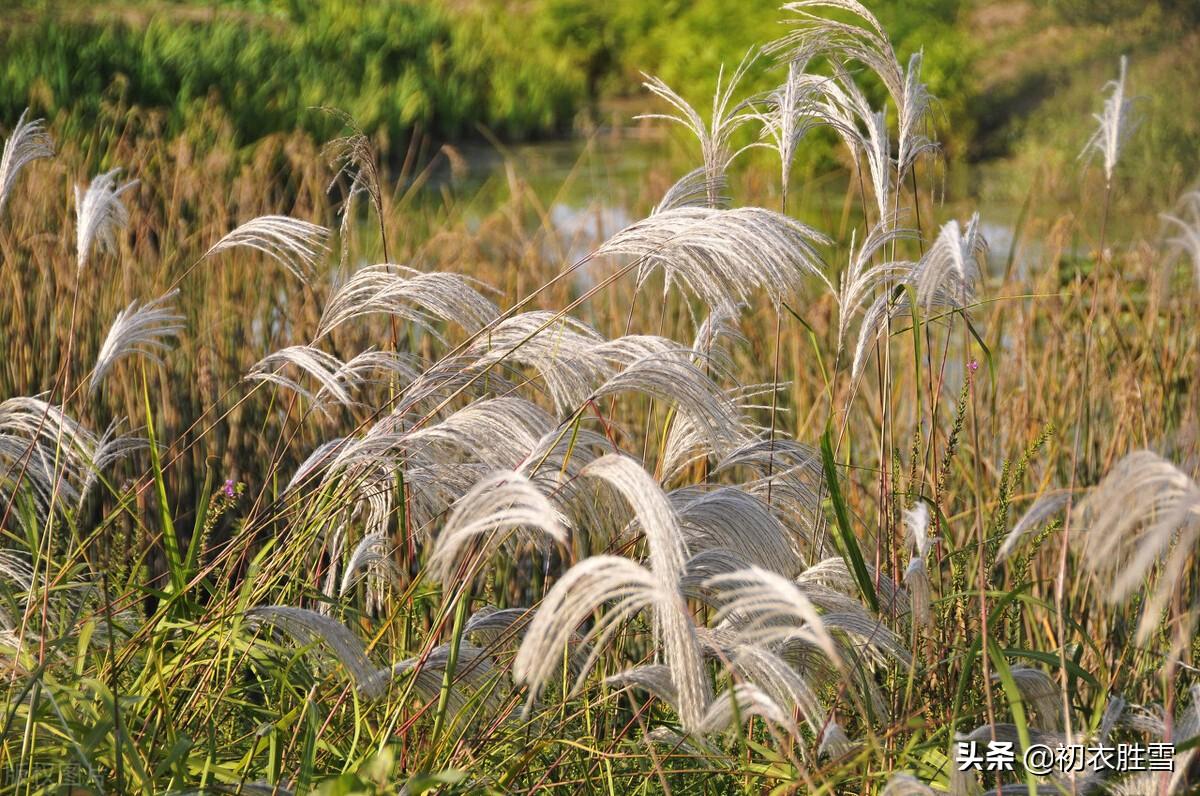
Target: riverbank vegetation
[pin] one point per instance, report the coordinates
(308, 486)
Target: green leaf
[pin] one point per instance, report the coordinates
(849, 545)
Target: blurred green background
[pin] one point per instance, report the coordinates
(1016, 80)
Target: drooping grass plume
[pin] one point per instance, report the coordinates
(139, 329)
(916, 576)
(1144, 515)
(296, 245)
(408, 294)
(1042, 509)
(28, 142)
(488, 514)
(723, 256)
(1187, 224)
(326, 369)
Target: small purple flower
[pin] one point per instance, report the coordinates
(973, 365)
(229, 488)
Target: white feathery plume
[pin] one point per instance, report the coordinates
(916, 523)
(731, 519)
(692, 190)
(475, 679)
(792, 471)
(833, 573)
(138, 329)
(632, 588)
(330, 372)
(944, 277)
(1040, 691)
(1188, 224)
(560, 349)
(309, 627)
(715, 336)
(372, 558)
(318, 460)
(834, 742)
(28, 142)
(1042, 509)
(861, 278)
(296, 245)
(789, 116)
(688, 388)
(952, 264)
(489, 513)
(916, 576)
(99, 213)
(53, 454)
(763, 667)
(715, 134)
(1114, 125)
(1144, 512)
(720, 714)
(770, 608)
(723, 256)
(744, 701)
(813, 34)
(414, 296)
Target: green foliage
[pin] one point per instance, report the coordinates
(392, 65)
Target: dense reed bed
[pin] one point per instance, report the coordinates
(310, 487)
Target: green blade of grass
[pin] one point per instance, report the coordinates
(849, 545)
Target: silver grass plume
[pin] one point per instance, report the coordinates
(1042, 509)
(309, 627)
(868, 44)
(354, 157)
(1114, 125)
(1144, 513)
(944, 278)
(792, 472)
(743, 701)
(560, 349)
(723, 256)
(862, 278)
(953, 263)
(411, 295)
(296, 245)
(333, 376)
(732, 519)
(633, 589)
(1040, 692)
(488, 514)
(99, 213)
(688, 388)
(834, 742)
(789, 115)
(28, 142)
(691, 190)
(139, 329)
(475, 679)
(770, 608)
(371, 558)
(53, 455)
(1187, 221)
(714, 135)
(916, 577)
